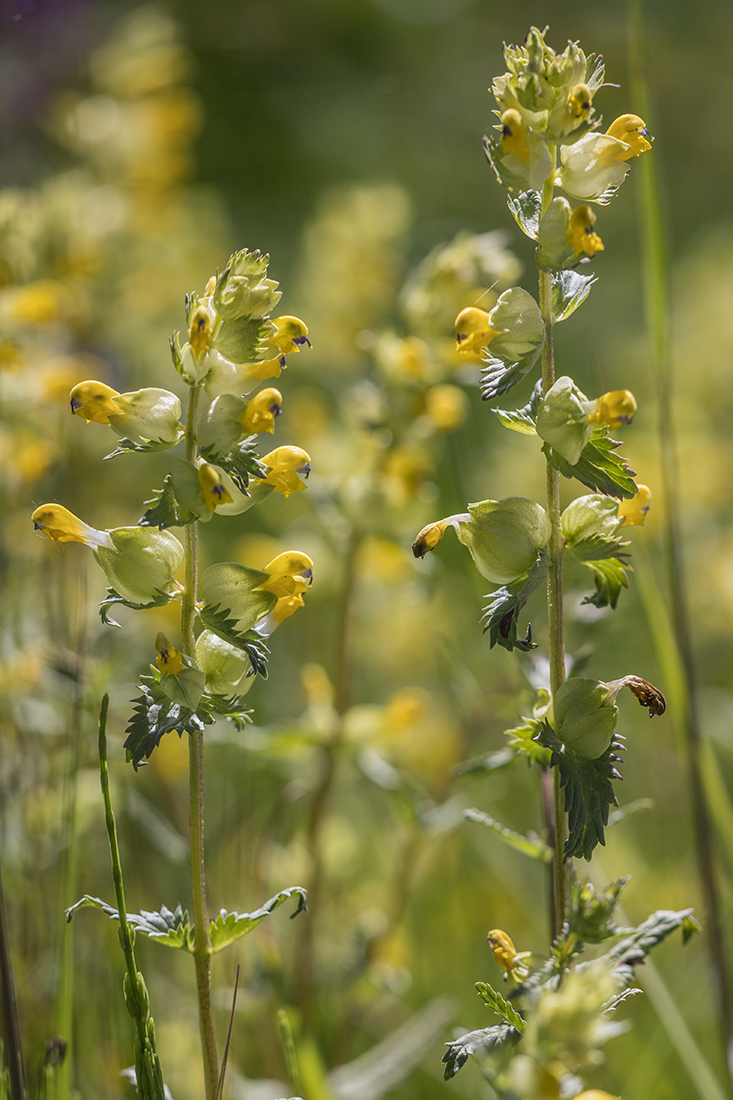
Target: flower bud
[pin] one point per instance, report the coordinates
(212, 487)
(243, 289)
(169, 658)
(633, 512)
(430, 536)
(259, 415)
(285, 464)
(590, 516)
(504, 951)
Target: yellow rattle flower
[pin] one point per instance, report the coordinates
(212, 487)
(94, 401)
(473, 330)
(259, 416)
(59, 524)
(169, 658)
(505, 954)
(633, 132)
(285, 464)
(581, 235)
(291, 573)
(633, 512)
(514, 135)
(614, 409)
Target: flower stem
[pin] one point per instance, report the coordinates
(556, 627)
(202, 940)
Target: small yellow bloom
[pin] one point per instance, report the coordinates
(259, 416)
(633, 512)
(446, 406)
(633, 132)
(580, 102)
(58, 523)
(473, 330)
(39, 303)
(508, 958)
(581, 235)
(429, 537)
(270, 368)
(94, 401)
(285, 464)
(291, 334)
(284, 608)
(514, 135)
(614, 409)
(169, 658)
(212, 487)
(199, 334)
(291, 573)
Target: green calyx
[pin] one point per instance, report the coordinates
(585, 716)
(504, 536)
(562, 419)
(141, 562)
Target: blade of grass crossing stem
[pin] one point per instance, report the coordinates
(654, 264)
(225, 1056)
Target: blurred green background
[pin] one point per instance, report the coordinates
(344, 138)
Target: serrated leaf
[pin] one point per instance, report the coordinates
(165, 511)
(589, 794)
(524, 739)
(530, 846)
(495, 156)
(125, 446)
(155, 715)
(500, 1006)
(526, 210)
(501, 615)
(599, 467)
(499, 376)
(610, 577)
(242, 463)
(228, 927)
(171, 928)
(523, 420)
(569, 290)
(114, 597)
(231, 707)
(219, 620)
(633, 948)
(480, 1042)
(624, 995)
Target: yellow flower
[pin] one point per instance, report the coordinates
(199, 334)
(259, 416)
(633, 132)
(58, 523)
(614, 409)
(169, 658)
(270, 368)
(429, 537)
(581, 235)
(580, 102)
(285, 464)
(94, 401)
(596, 1094)
(473, 330)
(283, 609)
(633, 512)
(446, 406)
(505, 954)
(212, 487)
(291, 573)
(40, 303)
(514, 135)
(291, 334)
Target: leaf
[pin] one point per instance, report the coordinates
(530, 846)
(165, 510)
(243, 339)
(526, 209)
(588, 793)
(500, 1006)
(634, 948)
(523, 420)
(480, 1042)
(217, 619)
(624, 995)
(569, 290)
(242, 463)
(498, 376)
(610, 577)
(501, 615)
(155, 715)
(172, 929)
(113, 597)
(635, 807)
(125, 446)
(525, 739)
(231, 707)
(598, 467)
(228, 927)
(495, 156)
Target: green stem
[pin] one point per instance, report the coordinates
(556, 627)
(202, 939)
(657, 309)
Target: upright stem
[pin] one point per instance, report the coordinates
(657, 309)
(556, 627)
(202, 940)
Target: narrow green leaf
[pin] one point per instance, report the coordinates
(634, 947)
(228, 927)
(491, 763)
(569, 290)
(530, 846)
(126, 446)
(599, 467)
(113, 598)
(500, 1006)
